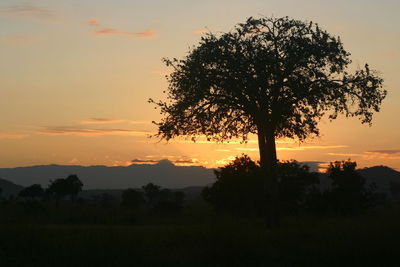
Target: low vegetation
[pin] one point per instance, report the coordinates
(345, 225)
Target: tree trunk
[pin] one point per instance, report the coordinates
(268, 162)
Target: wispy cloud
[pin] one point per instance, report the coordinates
(144, 161)
(180, 161)
(201, 31)
(140, 122)
(202, 140)
(13, 136)
(92, 22)
(222, 150)
(385, 151)
(72, 161)
(348, 155)
(101, 121)
(21, 38)
(299, 148)
(148, 34)
(71, 130)
(247, 149)
(224, 161)
(392, 154)
(387, 55)
(294, 148)
(28, 11)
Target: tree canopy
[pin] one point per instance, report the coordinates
(61, 187)
(274, 77)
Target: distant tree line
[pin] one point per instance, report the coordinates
(57, 189)
(161, 200)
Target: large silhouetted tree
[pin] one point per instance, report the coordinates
(273, 77)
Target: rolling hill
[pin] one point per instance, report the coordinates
(164, 173)
(8, 188)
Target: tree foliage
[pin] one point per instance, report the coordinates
(276, 75)
(239, 187)
(349, 193)
(33, 191)
(63, 187)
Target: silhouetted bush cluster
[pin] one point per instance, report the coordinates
(241, 187)
(161, 200)
(58, 189)
(348, 194)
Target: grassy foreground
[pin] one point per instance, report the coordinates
(371, 240)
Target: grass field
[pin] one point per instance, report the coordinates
(200, 238)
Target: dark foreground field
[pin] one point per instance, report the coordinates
(205, 239)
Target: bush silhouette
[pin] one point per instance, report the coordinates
(151, 192)
(349, 193)
(33, 191)
(240, 185)
(132, 198)
(61, 188)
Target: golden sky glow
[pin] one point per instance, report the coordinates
(75, 77)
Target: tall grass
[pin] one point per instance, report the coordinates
(205, 239)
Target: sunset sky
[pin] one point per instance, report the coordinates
(75, 77)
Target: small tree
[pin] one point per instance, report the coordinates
(151, 192)
(33, 191)
(273, 77)
(63, 187)
(58, 188)
(74, 186)
(349, 193)
(238, 188)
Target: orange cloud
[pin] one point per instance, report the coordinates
(28, 11)
(385, 151)
(348, 155)
(201, 31)
(71, 130)
(140, 122)
(247, 149)
(393, 154)
(148, 34)
(13, 136)
(92, 22)
(296, 148)
(18, 39)
(72, 161)
(176, 161)
(101, 121)
(387, 55)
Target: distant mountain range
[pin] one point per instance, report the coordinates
(164, 173)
